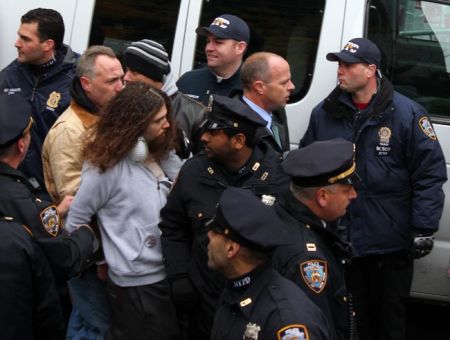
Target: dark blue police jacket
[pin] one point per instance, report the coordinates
(49, 96)
(399, 160)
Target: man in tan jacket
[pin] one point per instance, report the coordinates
(98, 79)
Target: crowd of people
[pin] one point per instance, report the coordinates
(137, 206)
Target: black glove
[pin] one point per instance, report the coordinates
(423, 244)
(184, 295)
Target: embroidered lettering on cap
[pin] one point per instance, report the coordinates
(351, 47)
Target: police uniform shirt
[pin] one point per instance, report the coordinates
(29, 304)
(18, 200)
(315, 262)
(267, 306)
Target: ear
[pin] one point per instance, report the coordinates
(21, 145)
(85, 83)
(258, 87)
(232, 248)
(322, 197)
(48, 45)
(238, 141)
(371, 71)
(240, 47)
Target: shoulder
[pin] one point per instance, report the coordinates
(183, 99)
(195, 74)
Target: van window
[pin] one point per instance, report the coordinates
(414, 37)
(290, 28)
(118, 23)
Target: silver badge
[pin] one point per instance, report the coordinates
(251, 332)
(268, 199)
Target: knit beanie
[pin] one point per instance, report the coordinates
(149, 58)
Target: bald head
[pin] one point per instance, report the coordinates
(266, 80)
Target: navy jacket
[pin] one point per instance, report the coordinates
(399, 160)
(270, 307)
(49, 96)
(200, 83)
(29, 305)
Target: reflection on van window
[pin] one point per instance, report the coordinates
(294, 34)
(415, 44)
(118, 23)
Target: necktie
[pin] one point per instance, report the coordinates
(275, 133)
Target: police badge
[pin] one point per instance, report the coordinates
(251, 332)
(50, 220)
(315, 274)
(53, 100)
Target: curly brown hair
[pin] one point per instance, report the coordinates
(128, 115)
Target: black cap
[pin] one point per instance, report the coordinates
(233, 114)
(321, 163)
(243, 218)
(358, 50)
(15, 118)
(149, 58)
(227, 26)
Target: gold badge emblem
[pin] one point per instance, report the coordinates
(53, 99)
(251, 332)
(385, 134)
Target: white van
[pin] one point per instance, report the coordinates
(414, 37)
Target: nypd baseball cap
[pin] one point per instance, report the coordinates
(358, 50)
(227, 26)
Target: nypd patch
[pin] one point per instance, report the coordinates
(315, 274)
(427, 128)
(293, 332)
(50, 220)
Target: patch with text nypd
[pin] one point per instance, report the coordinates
(315, 274)
(293, 332)
(427, 128)
(50, 220)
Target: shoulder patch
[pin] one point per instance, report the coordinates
(427, 128)
(293, 332)
(51, 220)
(315, 274)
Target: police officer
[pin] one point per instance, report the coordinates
(400, 197)
(18, 200)
(29, 304)
(321, 189)
(232, 156)
(257, 303)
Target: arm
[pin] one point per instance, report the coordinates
(62, 161)
(428, 171)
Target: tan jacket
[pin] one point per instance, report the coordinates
(61, 152)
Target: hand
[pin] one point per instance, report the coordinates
(63, 207)
(102, 272)
(423, 244)
(183, 292)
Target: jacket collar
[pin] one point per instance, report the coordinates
(87, 118)
(339, 103)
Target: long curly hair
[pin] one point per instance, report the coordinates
(126, 118)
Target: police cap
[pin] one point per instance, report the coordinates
(243, 218)
(321, 163)
(15, 118)
(230, 113)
